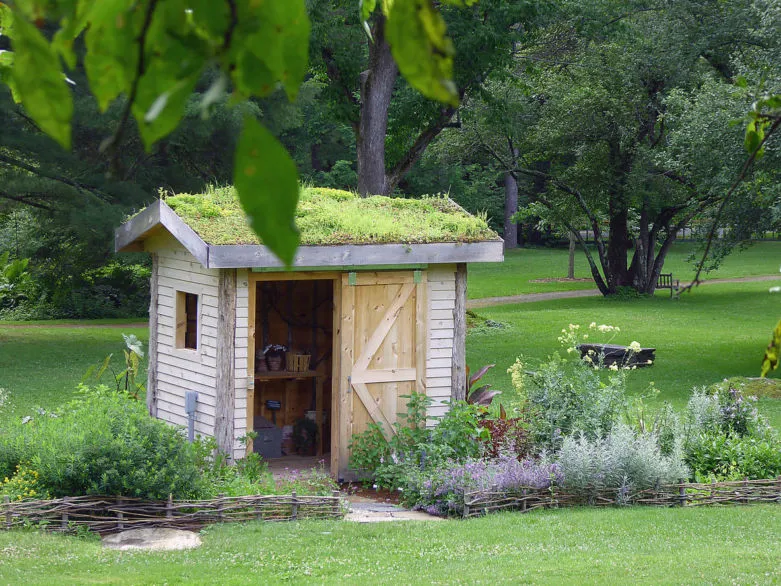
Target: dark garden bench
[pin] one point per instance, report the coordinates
(608, 354)
(666, 281)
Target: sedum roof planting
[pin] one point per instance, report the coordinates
(330, 217)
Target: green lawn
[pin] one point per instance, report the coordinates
(718, 331)
(513, 276)
(41, 366)
(731, 545)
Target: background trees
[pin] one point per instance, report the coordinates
(614, 117)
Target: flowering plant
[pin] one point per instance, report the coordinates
(442, 491)
(274, 348)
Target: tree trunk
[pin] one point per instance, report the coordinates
(376, 89)
(510, 208)
(571, 266)
(618, 247)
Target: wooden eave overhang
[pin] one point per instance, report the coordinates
(130, 236)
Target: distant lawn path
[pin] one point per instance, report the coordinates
(530, 297)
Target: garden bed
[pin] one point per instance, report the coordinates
(673, 495)
(113, 514)
(607, 355)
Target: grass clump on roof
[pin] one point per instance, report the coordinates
(331, 216)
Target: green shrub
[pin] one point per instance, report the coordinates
(104, 443)
(719, 456)
(414, 447)
(566, 395)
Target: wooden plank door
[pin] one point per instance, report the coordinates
(383, 352)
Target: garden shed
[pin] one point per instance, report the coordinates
(373, 308)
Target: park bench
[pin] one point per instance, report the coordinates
(666, 281)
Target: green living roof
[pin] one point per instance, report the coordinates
(330, 216)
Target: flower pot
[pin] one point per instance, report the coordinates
(275, 361)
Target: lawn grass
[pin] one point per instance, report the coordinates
(42, 365)
(719, 331)
(513, 276)
(568, 546)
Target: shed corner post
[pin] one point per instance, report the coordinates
(226, 359)
(151, 381)
(458, 382)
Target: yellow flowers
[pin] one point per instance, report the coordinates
(23, 484)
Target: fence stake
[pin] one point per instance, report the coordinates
(681, 492)
(7, 503)
(220, 515)
(337, 505)
(523, 505)
(169, 507)
(745, 486)
(294, 512)
(778, 482)
(120, 514)
(258, 508)
(64, 523)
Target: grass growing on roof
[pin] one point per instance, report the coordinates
(330, 216)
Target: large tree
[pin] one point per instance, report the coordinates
(631, 112)
(393, 125)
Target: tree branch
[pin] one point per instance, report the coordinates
(732, 189)
(414, 153)
(113, 142)
(54, 177)
(26, 201)
(596, 275)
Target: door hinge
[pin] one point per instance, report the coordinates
(352, 278)
(417, 276)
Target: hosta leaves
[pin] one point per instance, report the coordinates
(39, 82)
(266, 181)
(417, 36)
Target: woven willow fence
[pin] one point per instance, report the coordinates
(672, 495)
(112, 514)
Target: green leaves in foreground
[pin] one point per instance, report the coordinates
(265, 178)
(151, 54)
(418, 39)
(39, 82)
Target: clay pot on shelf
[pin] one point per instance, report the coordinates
(275, 360)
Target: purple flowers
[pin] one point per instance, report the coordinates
(443, 491)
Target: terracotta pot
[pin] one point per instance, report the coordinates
(275, 361)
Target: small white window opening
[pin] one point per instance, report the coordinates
(186, 320)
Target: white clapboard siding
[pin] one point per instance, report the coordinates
(439, 351)
(181, 370)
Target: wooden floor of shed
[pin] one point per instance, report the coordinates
(287, 465)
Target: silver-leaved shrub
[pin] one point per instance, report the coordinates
(622, 460)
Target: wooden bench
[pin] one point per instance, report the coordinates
(666, 281)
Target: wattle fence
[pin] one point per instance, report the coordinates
(112, 514)
(672, 495)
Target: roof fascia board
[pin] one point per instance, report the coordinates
(159, 214)
(357, 255)
(184, 234)
(137, 227)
